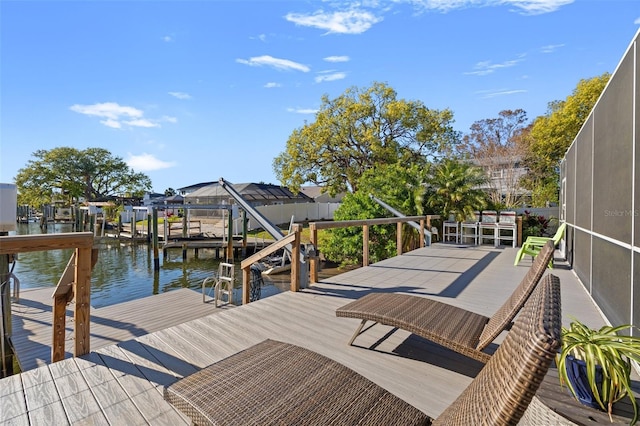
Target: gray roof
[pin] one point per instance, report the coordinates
(250, 192)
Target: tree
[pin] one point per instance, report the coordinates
(552, 134)
(454, 189)
(169, 192)
(359, 130)
(396, 185)
(496, 145)
(344, 245)
(92, 174)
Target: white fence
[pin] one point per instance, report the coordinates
(281, 213)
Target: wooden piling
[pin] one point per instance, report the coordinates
(156, 256)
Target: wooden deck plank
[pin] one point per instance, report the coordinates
(32, 318)
(125, 381)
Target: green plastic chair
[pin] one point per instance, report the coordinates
(533, 245)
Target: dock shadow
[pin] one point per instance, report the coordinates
(452, 290)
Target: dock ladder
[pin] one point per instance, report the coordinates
(222, 284)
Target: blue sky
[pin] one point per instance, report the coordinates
(191, 91)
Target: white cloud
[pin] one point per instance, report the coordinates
(526, 7)
(637, 21)
(141, 122)
(114, 124)
(110, 110)
(342, 22)
(537, 7)
(337, 59)
(270, 61)
(486, 94)
(551, 48)
(147, 162)
(167, 39)
(302, 110)
(115, 115)
(486, 67)
(272, 84)
(180, 95)
(169, 119)
(330, 77)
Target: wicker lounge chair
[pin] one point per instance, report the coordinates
(463, 331)
(533, 245)
(279, 383)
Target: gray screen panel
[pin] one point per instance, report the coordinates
(613, 156)
(611, 284)
(571, 182)
(582, 257)
(584, 170)
(636, 292)
(636, 207)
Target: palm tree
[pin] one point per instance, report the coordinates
(455, 189)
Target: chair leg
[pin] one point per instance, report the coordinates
(519, 256)
(357, 333)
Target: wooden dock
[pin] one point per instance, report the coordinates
(32, 319)
(123, 383)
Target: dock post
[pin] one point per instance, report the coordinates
(82, 292)
(185, 230)
(5, 311)
(295, 258)
(365, 245)
(313, 261)
(244, 234)
(230, 237)
(156, 256)
(149, 229)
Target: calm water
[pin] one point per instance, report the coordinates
(125, 271)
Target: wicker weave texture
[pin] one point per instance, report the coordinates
(278, 383)
(460, 330)
(539, 414)
(507, 312)
(447, 325)
(501, 392)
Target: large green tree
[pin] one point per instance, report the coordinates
(397, 185)
(357, 131)
(552, 134)
(92, 174)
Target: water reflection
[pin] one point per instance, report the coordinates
(125, 270)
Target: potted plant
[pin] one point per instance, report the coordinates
(601, 361)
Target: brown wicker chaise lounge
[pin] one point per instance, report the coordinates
(279, 383)
(458, 329)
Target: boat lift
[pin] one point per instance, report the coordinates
(273, 230)
(427, 233)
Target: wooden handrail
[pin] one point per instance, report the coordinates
(369, 222)
(82, 242)
(294, 239)
(425, 223)
(42, 242)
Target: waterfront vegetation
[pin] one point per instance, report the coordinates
(366, 141)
